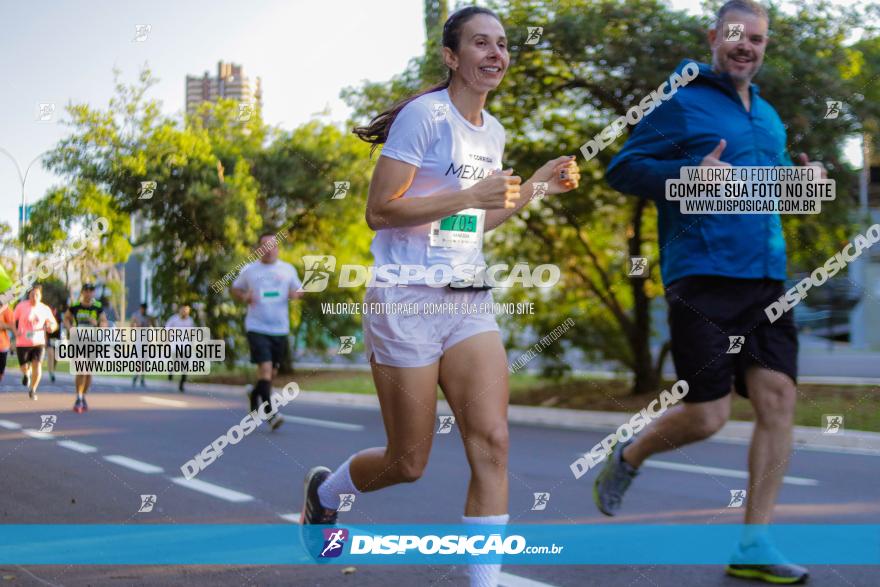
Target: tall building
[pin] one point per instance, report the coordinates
(230, 83)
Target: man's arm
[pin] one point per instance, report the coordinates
(242, 295)
(653, 153)
(295, 285)
(293, 292)
(51, 322)
(4, 314)
(240, 290)
(68, 319)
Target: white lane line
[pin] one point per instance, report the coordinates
(323, 423)
(290, 517)
(161, 401)
(721, 472)
(134, 465)
(213, 490)
(77, 446)
(37, 434)
(9, 425)
(802, 446)
(508, 580)
(43, 581)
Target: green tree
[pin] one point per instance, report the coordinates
(199, 217)
(219, 179)
(433, 70)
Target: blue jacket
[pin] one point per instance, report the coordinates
(681, 132)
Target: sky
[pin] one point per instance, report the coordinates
(304, 51)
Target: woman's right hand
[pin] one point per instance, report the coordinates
(498, 191)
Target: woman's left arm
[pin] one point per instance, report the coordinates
(560, 175)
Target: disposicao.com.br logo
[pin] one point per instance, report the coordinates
(430, 544)
(319, 270)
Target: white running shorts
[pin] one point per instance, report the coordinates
(413, 326)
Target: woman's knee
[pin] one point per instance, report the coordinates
(409, 467)
(489, 446)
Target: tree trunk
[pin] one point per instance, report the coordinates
(645, 376)
(287, 360)
(286, 367)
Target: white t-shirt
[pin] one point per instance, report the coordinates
(177, 322)
(271, 283)
(452, 154)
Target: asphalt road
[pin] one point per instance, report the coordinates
(96, 465)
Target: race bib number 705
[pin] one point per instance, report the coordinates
(459, 231)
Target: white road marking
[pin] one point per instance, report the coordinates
(290, 517)
(508, 580)
(161, 401)
(77, 446)
(213, 490)
(323, 423)
(9, 425)
(801, 446)
(721, 472)
(43, 581)
(37, 434)
(134, 465)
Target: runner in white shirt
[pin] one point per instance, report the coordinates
(141, 319)
(180, 320)
(33, 319)
(437, 188)
(267, 286)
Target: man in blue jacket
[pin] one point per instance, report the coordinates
(720, 271)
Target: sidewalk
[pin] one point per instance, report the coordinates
(626, 376)
(560, 418)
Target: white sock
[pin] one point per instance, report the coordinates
(338, 482)
(485, 575)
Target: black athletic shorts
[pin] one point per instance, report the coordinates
(28, 354)
(3, 362)
(266, 348)
(705, 311)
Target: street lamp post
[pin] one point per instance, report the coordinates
(22, 178)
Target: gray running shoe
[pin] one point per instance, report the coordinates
(275, 421)
(613, 481)
(779, 571)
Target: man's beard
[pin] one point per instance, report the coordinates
(739, 76)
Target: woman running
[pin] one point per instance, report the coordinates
(437, 187)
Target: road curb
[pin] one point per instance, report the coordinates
(595, 421)
(559, 418)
